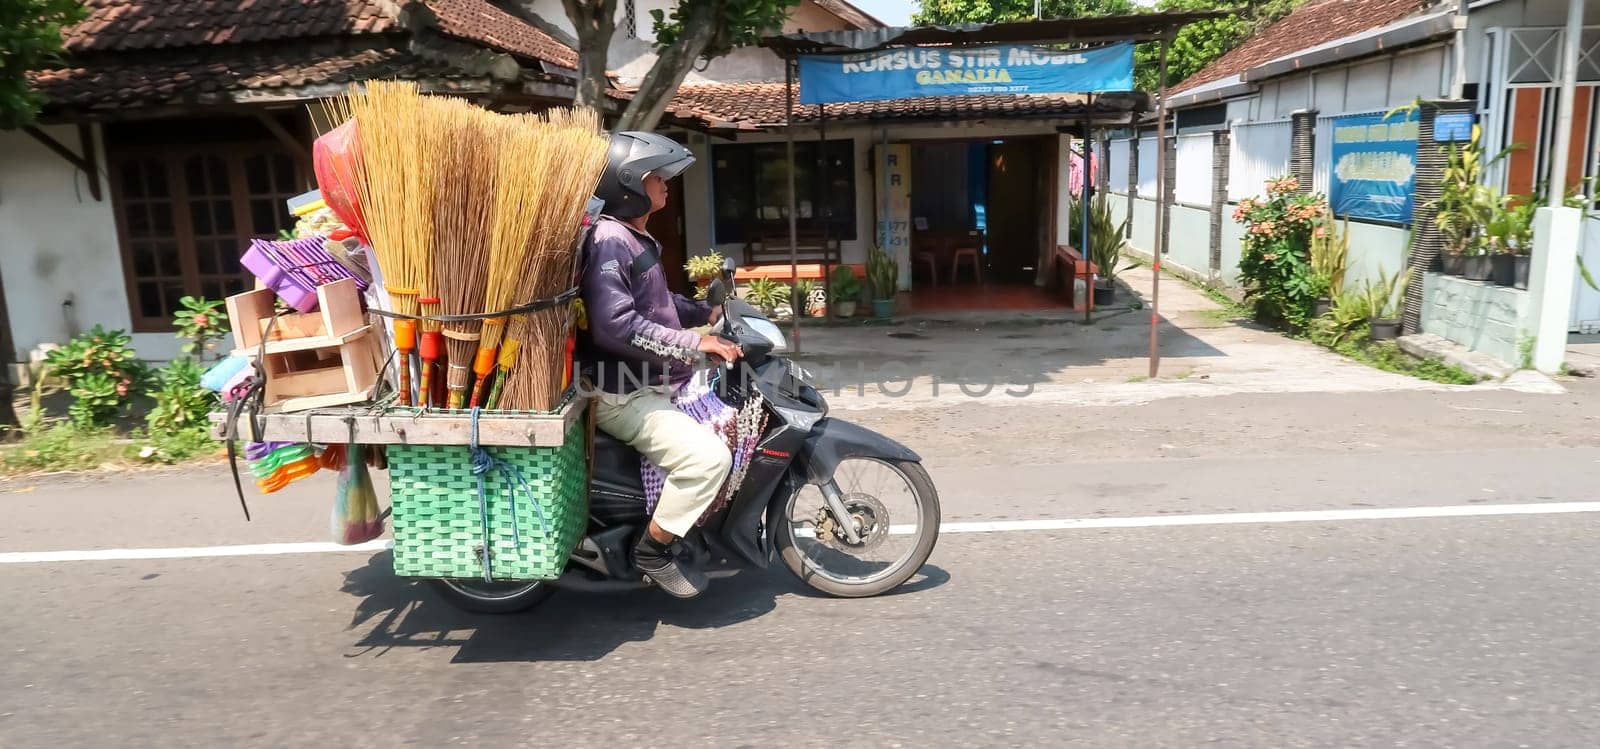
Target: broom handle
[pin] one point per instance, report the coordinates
(430, 360)
(494, 393)
(404, 362)
(508, 359)
(405, 340)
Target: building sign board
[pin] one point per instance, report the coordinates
(1374, 167)
(915, 72)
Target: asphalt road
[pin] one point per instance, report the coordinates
(1469, 631)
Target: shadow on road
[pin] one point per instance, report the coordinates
(398, 613)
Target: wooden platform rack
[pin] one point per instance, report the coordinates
(337, 426)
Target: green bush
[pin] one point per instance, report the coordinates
(101, 371)
(200, 322)
(1276, 266)
(63, 446)
(181, 404)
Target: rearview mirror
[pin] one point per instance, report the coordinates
(717, 292)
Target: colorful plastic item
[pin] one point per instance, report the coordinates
(294, 269)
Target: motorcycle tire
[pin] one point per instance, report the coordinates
(471, 595)
(928, 501)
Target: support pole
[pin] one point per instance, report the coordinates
(1557, 229)
(1083, 214)
(827, 207)
(1572, 44)
(1161, 229)
(794, 218)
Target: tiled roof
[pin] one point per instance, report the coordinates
(850, 14)
(115, 25)
(202, 75)
(763, 104)
(1316, 22)
(148, 52)
(478, 21)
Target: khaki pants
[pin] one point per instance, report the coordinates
(695, 459)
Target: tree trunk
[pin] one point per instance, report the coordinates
(595, 21)
(8, 414)
(672, 66)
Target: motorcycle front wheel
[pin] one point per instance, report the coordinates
(480, 597)
(894, 510)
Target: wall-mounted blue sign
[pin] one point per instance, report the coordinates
(922, 71)
(1374, 167)
(1452, 127)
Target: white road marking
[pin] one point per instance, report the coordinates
(190, 552)
(992, 526)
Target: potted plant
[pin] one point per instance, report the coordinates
(1466, 212)
(804, 305)
(846, 289)
(1106, 240)
(702, 269)
(767, 295)
(1330, 251)
(883, 275)
(1385, 299)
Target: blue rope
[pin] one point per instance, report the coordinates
(484, 463)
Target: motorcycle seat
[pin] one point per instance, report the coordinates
(616, 465)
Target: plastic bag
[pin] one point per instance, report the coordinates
(356, 516)
(335, 158)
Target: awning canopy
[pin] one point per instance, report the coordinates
(1088, 30)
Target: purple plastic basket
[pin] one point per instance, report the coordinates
(294, 269)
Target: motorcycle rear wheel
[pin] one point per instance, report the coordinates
(492, 598)
(818, 576)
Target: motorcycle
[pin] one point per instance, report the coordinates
(850, 512)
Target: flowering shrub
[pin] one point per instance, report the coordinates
(1276, 265)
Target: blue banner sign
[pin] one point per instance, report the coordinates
(1374, 167)
(923, 71)
(1452, 127)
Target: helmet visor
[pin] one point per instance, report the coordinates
(668, 171)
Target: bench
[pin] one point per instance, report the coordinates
(773, 249)
(1068, 265)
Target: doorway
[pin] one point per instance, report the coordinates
(983, 195)
(667, 226)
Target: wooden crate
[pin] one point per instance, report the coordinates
(327, 358)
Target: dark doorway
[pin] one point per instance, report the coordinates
(1013, 215)
(667, 226)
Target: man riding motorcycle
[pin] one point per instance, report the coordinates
(638, 349)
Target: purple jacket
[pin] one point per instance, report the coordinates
(636, 334)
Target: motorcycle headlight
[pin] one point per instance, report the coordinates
(767, 330)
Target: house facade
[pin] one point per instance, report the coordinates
(1270, 107)
(175, 132)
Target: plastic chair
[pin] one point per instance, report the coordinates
(969, 254)
(932, 259)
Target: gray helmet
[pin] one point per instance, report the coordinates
(632, 156)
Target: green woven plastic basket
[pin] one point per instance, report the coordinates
(438, 523)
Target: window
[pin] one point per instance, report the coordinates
(750, 188)
(185, 217)
(630, 19)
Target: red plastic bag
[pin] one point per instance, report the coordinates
(336, 158)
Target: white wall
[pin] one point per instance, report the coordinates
(58, 249)
(631, 59)
(1189, 244)
(1374, 248)
(1192, 176)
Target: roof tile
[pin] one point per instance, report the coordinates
(1316, 22)
(763, 104)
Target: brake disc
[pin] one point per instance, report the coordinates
(867, 514)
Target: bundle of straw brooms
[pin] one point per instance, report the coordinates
(472, 213)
